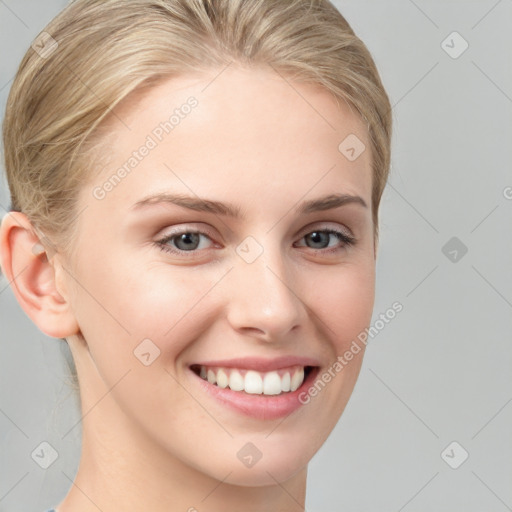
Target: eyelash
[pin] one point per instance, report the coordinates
(346, 240)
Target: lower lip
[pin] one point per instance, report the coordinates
(261, 407)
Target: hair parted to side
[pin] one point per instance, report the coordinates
(110, 48)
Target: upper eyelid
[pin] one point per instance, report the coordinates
(174, 231)
(325, 227)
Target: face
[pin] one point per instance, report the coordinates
(221, 271)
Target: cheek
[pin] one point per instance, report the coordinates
(126, 303)
(344, 303)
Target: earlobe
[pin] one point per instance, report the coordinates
(29, 267)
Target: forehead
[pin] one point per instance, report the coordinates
(244, 131)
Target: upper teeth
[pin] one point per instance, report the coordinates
(253, 382)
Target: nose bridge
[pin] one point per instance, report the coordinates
(262, 299)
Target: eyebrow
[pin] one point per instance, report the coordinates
(206, 205)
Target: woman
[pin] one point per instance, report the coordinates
(195, 188)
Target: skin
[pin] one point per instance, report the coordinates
(152, 439)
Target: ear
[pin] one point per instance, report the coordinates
(31, 270)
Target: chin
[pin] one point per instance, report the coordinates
(264, 475)
(279, 466)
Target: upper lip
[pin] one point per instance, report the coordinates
(259, 363)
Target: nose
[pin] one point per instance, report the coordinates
(262, 301)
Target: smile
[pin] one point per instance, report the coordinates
(276, 382)
(265, 389)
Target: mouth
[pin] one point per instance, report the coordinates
(261, 389)
(252, 382)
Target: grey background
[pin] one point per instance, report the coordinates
(441, 370)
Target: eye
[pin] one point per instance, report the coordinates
(185, 241)
(192, 241)
(327, 239)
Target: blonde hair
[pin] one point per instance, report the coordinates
(100, 51)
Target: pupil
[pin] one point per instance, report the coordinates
(318, 239)
(188, 241)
